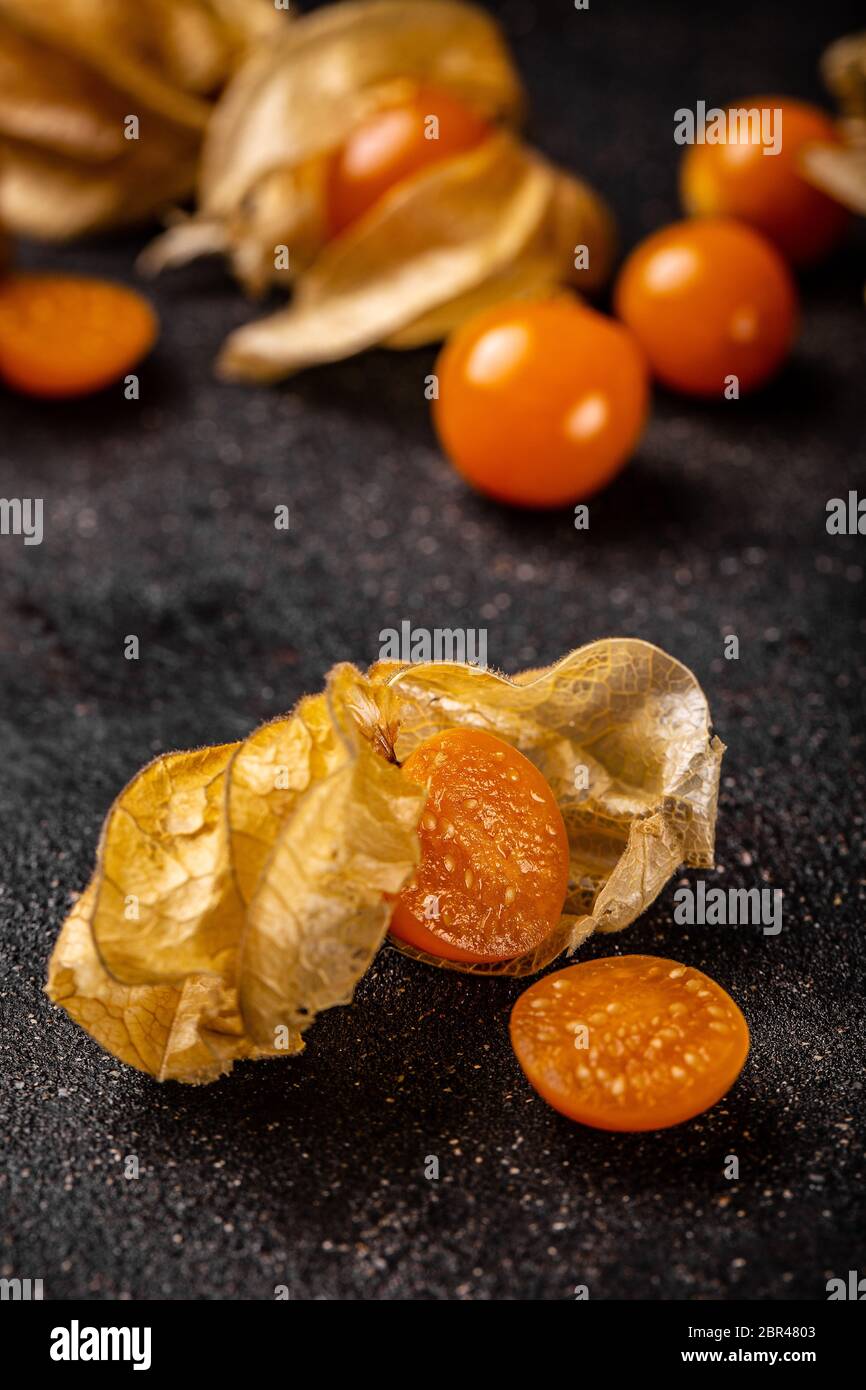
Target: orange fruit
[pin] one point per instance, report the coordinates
(65, 335)
(709, 299)
(629, 1042)
(540, 402)
(394, 143)
(494, 853)
(768, 191)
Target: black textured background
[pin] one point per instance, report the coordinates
(159, 522)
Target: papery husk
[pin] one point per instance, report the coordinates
(190, 1032)
(48, 198)
(843, 68)
(495, 222)
(437, 247)
(638, 721)
(840, 170)
(296, 100)
(73, 70)
(241, 889)
(575, 216)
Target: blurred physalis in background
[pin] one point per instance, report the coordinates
(841, 170)
(368, 160)
(104, 103)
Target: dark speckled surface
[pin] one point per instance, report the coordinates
(310, 1173)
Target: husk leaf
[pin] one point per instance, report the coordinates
(187, 1032)
(843, 67)
(840, 171)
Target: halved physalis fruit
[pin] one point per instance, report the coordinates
(494, 852)
(620, 733)
(629, 1042)
(68, 335)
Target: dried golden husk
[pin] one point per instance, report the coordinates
(473, 229)
(841, 171)
(72, 71)
(190, 1031)
(239, 890)
(293, 102)
(843, 67)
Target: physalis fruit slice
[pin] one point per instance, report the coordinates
(494, 851)
(629, 1042)
(68, 335)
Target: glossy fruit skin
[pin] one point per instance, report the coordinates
(494, 851)
(541, 402)
(765, 190)
(709, 298)
(391, 145)
(64, 335)
(664, 1042)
